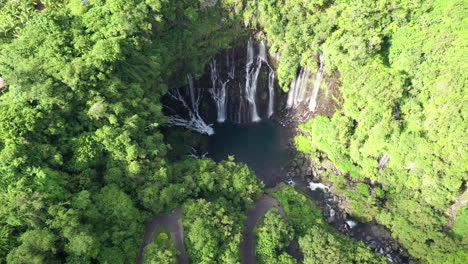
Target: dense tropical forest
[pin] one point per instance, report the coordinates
(87, 157)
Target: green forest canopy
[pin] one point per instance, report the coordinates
(84, 163)
(404, 85)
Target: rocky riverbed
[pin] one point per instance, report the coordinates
(302, 170)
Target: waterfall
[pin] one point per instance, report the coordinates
(218, 92)
(231, 66)
(219, 87)
(301, 87)
(223, 85)
(300, 93)
(298, 89)
(253, 68)
(194, 121)
(290, 101)
(262, 55)
(251, 78)
(318, 82)
(271, 92)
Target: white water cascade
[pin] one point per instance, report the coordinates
(271, 92)
(298, 88)
(262, 55)
(240, 106)
(230, 64)
(194, 121)
(351, 223)
(318, 82)
(251, 78)
(302, 92)
(271, 79)
(218, 92)
(252, 69)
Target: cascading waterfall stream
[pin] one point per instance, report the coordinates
(253, 68)
(300, 92)
(194, 122)
(218, 92)
(271, 79)
(231, 66)
(302, 87)
(223, 91)
(251, 78)
(271, 92)
(262, 55)
(298, 89)
(318, 82)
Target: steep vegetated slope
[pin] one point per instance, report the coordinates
(402, 125)
(84, 164)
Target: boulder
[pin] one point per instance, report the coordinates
(327, 164)
(208, 3)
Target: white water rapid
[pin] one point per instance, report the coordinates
(351, 223)
(314, 186)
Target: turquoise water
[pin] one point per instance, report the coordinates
(262, 146)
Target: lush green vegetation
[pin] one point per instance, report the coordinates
(213, 231)
(461, 225)
(319, 242)
(162, 249)
(274, 233)
(214, 198)
(84, 162)
(330, 247)
(14, 15)
(402, 73)
(301, 212)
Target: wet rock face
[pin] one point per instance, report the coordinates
(250, 91)
(239, 100)
(247, 65)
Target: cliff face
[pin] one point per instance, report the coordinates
(248, 77)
